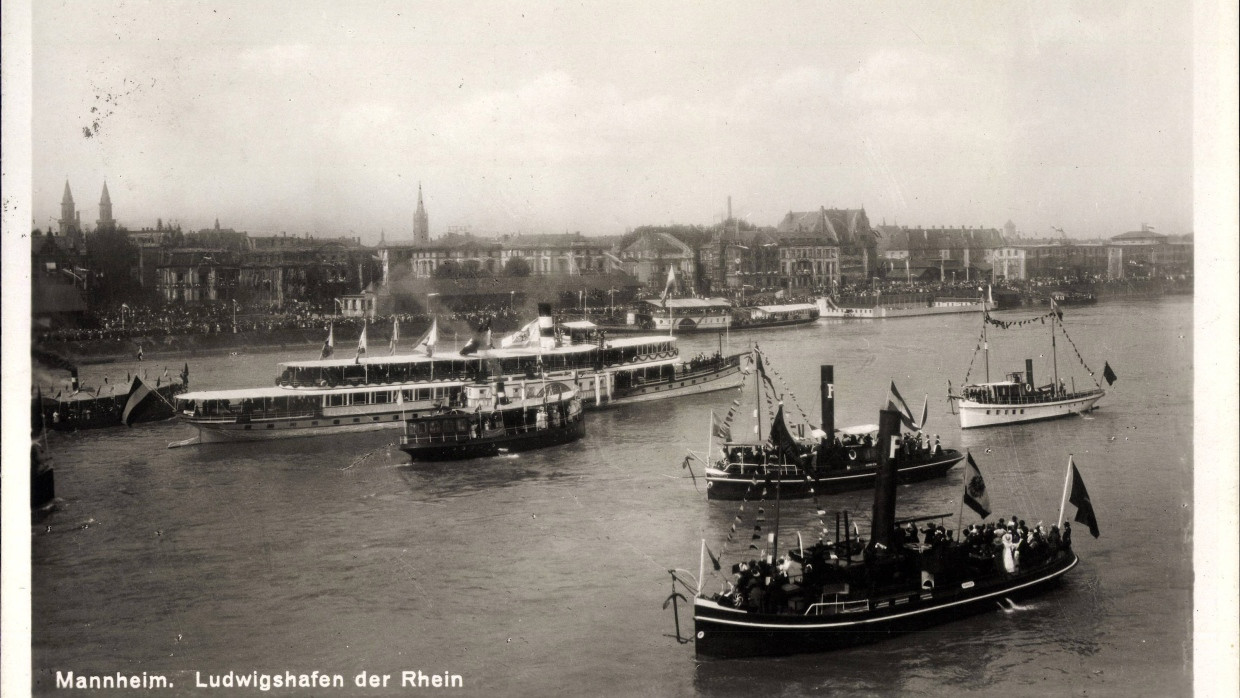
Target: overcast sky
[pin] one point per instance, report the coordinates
(324, 117)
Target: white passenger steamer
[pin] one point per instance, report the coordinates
(339, 395)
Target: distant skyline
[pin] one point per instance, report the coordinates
(323, 118)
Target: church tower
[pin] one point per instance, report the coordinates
(68, 217)
(421, 227)
(106, 221)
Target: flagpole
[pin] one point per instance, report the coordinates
(1062, 502)
(960, 515)
(710, 436)
(701, 568)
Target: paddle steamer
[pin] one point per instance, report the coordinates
(335, 395)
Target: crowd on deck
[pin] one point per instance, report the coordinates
(1000, 548)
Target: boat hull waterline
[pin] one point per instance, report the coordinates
(720, 486)
(724, 632)
(977, 414)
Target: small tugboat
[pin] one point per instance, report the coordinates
(494, 417)
(850, 591)
(817, 463)
(1018, 399)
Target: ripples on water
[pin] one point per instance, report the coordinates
(544, 572)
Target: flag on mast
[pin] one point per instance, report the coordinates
(429, 338)
(395, 334)
(329, 346)
(361, 344)
(975, 494)
(671, 283)
(1080, 499)
(896, 402)
(1108, 374)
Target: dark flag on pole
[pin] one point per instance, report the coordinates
(1080, 499)
(720, 429)
(975, 494)
(714, 561)
(783, 441)
(1108, 374)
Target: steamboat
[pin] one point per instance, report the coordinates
(365, 393)
(815, 463)
(496, 417)
(1017, 398)
(851, 591)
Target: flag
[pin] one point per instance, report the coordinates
(1080, 499)
(361, 345)
(671, 283)
(1108, 374)
(185, 376)
(395, 334)
(720, 429)
(429, 339)
(714, 561)
(521, 336)
(975, 494)
(781, 439)
(139, 393)
(480, 340)
(1055, 308)
(906, 414)
(329, 346)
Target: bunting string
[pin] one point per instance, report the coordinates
(1078, 356)
(980, 338)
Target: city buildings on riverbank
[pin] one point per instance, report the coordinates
(806, 252)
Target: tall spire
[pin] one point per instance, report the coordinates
(421, 225)
(105, 222)
(68, 223)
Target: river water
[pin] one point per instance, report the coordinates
(545, 573)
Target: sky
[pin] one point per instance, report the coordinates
(324, 117)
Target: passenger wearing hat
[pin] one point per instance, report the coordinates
(1067, 536)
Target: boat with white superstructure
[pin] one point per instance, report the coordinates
(337, 395)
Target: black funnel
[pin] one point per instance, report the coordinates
(1029, 372)
(883, 518)
(827, 386)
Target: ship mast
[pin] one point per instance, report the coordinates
(1054, 356)
(985, 340)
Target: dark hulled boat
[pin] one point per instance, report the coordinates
(819, 464)
(496, 417)
(840, 597)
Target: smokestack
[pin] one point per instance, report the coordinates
(546, 325)
(1029, 372)
(883, 518)
(827, 387)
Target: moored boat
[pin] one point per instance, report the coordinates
(496, 417)
(1017, 398)
(850, 591)
(808, 463)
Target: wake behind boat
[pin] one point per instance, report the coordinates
(846, 592)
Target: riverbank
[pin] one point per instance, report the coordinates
(104, 351)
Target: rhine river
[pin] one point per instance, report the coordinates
(545, 573)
